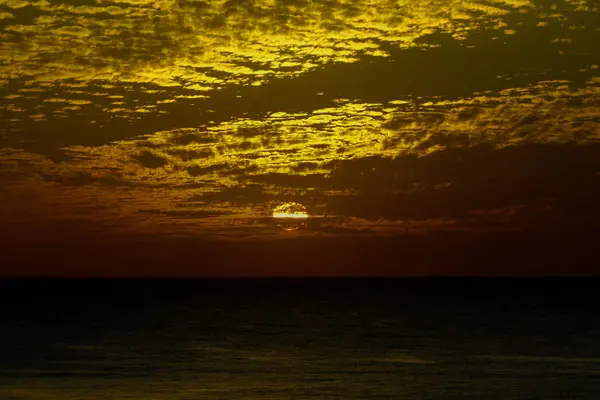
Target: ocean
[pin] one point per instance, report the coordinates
(299, 339)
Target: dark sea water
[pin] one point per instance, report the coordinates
(299, 339)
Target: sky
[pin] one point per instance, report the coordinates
(407, 137)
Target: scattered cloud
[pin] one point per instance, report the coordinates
(376, 116)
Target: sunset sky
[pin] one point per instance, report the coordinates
(419, 137)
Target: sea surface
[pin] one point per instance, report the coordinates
(299, 339)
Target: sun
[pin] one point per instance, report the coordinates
(290, 210)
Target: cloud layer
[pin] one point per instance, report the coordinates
(189, 117)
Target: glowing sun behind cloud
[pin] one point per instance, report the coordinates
(290, 210)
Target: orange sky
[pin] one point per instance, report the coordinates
(171, 130)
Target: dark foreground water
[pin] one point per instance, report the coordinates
(294, 339)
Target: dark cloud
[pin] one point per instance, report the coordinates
(306, 166)
(451, 140)
(150, 160)
(295, 181)
(455, 182)
(189, 155)
(186, 138)
(425, 119)
(85, 178)
(469, 113)
(250, 132)
(248, 194)
(185, 214)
